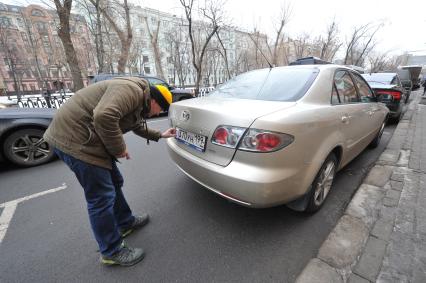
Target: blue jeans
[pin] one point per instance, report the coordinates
(107, 207)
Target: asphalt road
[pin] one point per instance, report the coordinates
(194, 235)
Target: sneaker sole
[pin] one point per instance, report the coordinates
(109, 262)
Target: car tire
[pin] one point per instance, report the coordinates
(321, 186)
(26, 148)
(376, 141)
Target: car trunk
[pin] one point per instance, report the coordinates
(203, 115)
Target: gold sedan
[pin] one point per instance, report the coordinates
(277, 136)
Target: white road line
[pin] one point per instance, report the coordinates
(10, 207)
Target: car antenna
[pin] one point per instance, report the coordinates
(257, 47)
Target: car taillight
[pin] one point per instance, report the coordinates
(395, 94)
(228, 136)
(264, 141)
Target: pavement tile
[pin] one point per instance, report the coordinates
(319, 272)
(345, 242)
(396, 185)
(379, 175)
(388, 213)
(382, 229)
(357, 279)
(390, 202)
(394, 194)
(364, 204)
(371, 260)
(397, 177)
(389, 156)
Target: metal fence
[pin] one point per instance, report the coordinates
(55, 100)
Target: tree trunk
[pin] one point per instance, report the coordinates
(154, 44)
(64, 34)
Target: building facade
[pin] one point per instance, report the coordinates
(32, 56)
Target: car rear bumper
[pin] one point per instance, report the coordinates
(241, 183)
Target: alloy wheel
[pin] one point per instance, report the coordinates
(324, 183)
(30, 148)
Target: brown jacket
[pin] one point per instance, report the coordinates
(91, 124)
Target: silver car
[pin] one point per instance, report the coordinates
(277, 136)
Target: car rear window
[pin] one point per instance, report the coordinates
(276, 84)
(379, 78)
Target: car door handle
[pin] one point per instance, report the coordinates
(345, 119)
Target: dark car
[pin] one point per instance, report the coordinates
(178, 94)
(406, 81)
(389, 90)
(21, 135)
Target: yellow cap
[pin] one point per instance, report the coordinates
(166, 93)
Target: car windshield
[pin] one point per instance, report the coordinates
(276, 84)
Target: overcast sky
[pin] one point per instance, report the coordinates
(404, 21)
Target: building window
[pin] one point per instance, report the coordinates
(33, 88)
(145, 59)
(41, 26)
(25, 39)
(37, 13)
(20, 22)
(5, 22)
(147, 70)
(46, 41)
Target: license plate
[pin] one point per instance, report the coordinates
(195, 141)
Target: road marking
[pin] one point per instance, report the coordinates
(10, 207)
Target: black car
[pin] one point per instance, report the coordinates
(406, 81)
(178, 94)
(21, 135)
(389, 90)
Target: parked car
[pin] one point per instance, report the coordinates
(390, 91)
(406, 81)
(415, 71)
(178, 94)
(277, 136)
(21, 136)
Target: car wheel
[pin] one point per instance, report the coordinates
(375, 143)
(26, 147)
(322, 183)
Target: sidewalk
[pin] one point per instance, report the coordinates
(382, 235)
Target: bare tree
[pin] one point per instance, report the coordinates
(283, 19)
(125, 35)
(224, 53)
(153, 36)
(179, 49)
(259, 41)
(212, 12)
(384, 62)
(331, 43)
(360, 44)
(95, 23)
(63, 8)
(12, 57)
(302, 45)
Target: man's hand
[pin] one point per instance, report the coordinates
(169, 133)
(125, 154)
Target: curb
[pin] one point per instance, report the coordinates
(368, 220)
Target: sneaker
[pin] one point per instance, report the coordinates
(140, 221)
(126, 256)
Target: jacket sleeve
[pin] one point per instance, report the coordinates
(117, 101)
(147, 133)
